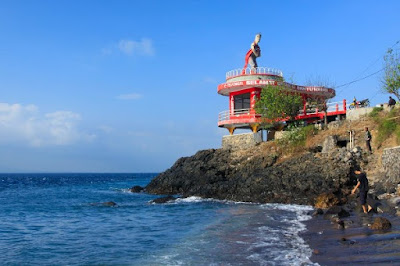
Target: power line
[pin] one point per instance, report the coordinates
(351, 82)
(356, 80)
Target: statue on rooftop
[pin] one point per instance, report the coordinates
(253, 53)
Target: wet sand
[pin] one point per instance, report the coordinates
(356, 244)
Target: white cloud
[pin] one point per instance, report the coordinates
(141, 133)
(131, 96)
(143, 47)
(25, 124)
(210, 80)
(106, 129)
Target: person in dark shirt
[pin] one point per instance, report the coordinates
(362, 185)
(392, 102)
(368, 139)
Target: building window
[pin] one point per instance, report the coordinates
(242, 101)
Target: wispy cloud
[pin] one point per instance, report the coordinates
(210, 80)
(106, 129)
(25, 124)
(144, 47)
(130, 96)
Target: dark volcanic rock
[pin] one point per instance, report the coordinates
(105, 204)
(317, 212)
(326, 200)
(252, 177)
(346, 241)
(336, 211)
(315, 149)
(381, 223)
(109, 204)
(136, 189)
(163, 199)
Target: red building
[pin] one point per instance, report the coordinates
(243, 87)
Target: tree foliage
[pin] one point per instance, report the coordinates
(391, 79)
(276, 103)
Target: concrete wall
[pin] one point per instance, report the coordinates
(241, 141)
(391, 164)
(357, 113)
(330, 143)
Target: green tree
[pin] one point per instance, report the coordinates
(277, 103)
(391, 79)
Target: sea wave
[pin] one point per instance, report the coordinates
(192, 199)
(288, 246)
(197, 199)
(243, 234)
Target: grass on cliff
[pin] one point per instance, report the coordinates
(295, 139)
(388, 124)
(375, 112)
(384, 127)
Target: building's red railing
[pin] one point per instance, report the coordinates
(250, 116)
(253, 71)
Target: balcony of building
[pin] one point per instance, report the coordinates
(244, 118)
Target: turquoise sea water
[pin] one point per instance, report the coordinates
(53, 219)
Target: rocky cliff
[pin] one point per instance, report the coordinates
(255, 175)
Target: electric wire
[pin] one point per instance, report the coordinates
(354, 81)
(365, 77)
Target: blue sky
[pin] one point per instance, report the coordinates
(131, 86)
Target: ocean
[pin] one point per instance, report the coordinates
(58, 219)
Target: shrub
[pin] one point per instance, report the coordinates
(385, 129)
(375, 112)
(296, 137)
(388, 126)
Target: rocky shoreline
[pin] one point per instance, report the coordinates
(257, 177)
(321, 179)
(313, 177)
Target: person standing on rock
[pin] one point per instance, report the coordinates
(362, 185)
(368, 139)
(392, 103)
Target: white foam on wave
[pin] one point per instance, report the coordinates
(196, 199)
(123, 190)
(192, 199)
(288, 246)
(168, 259)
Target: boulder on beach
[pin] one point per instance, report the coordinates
(163, 199)
(326, 200)
(336, 211)
(317, 212)
(345, 241)
(136, 189)
(381, 223)
(109, 204)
